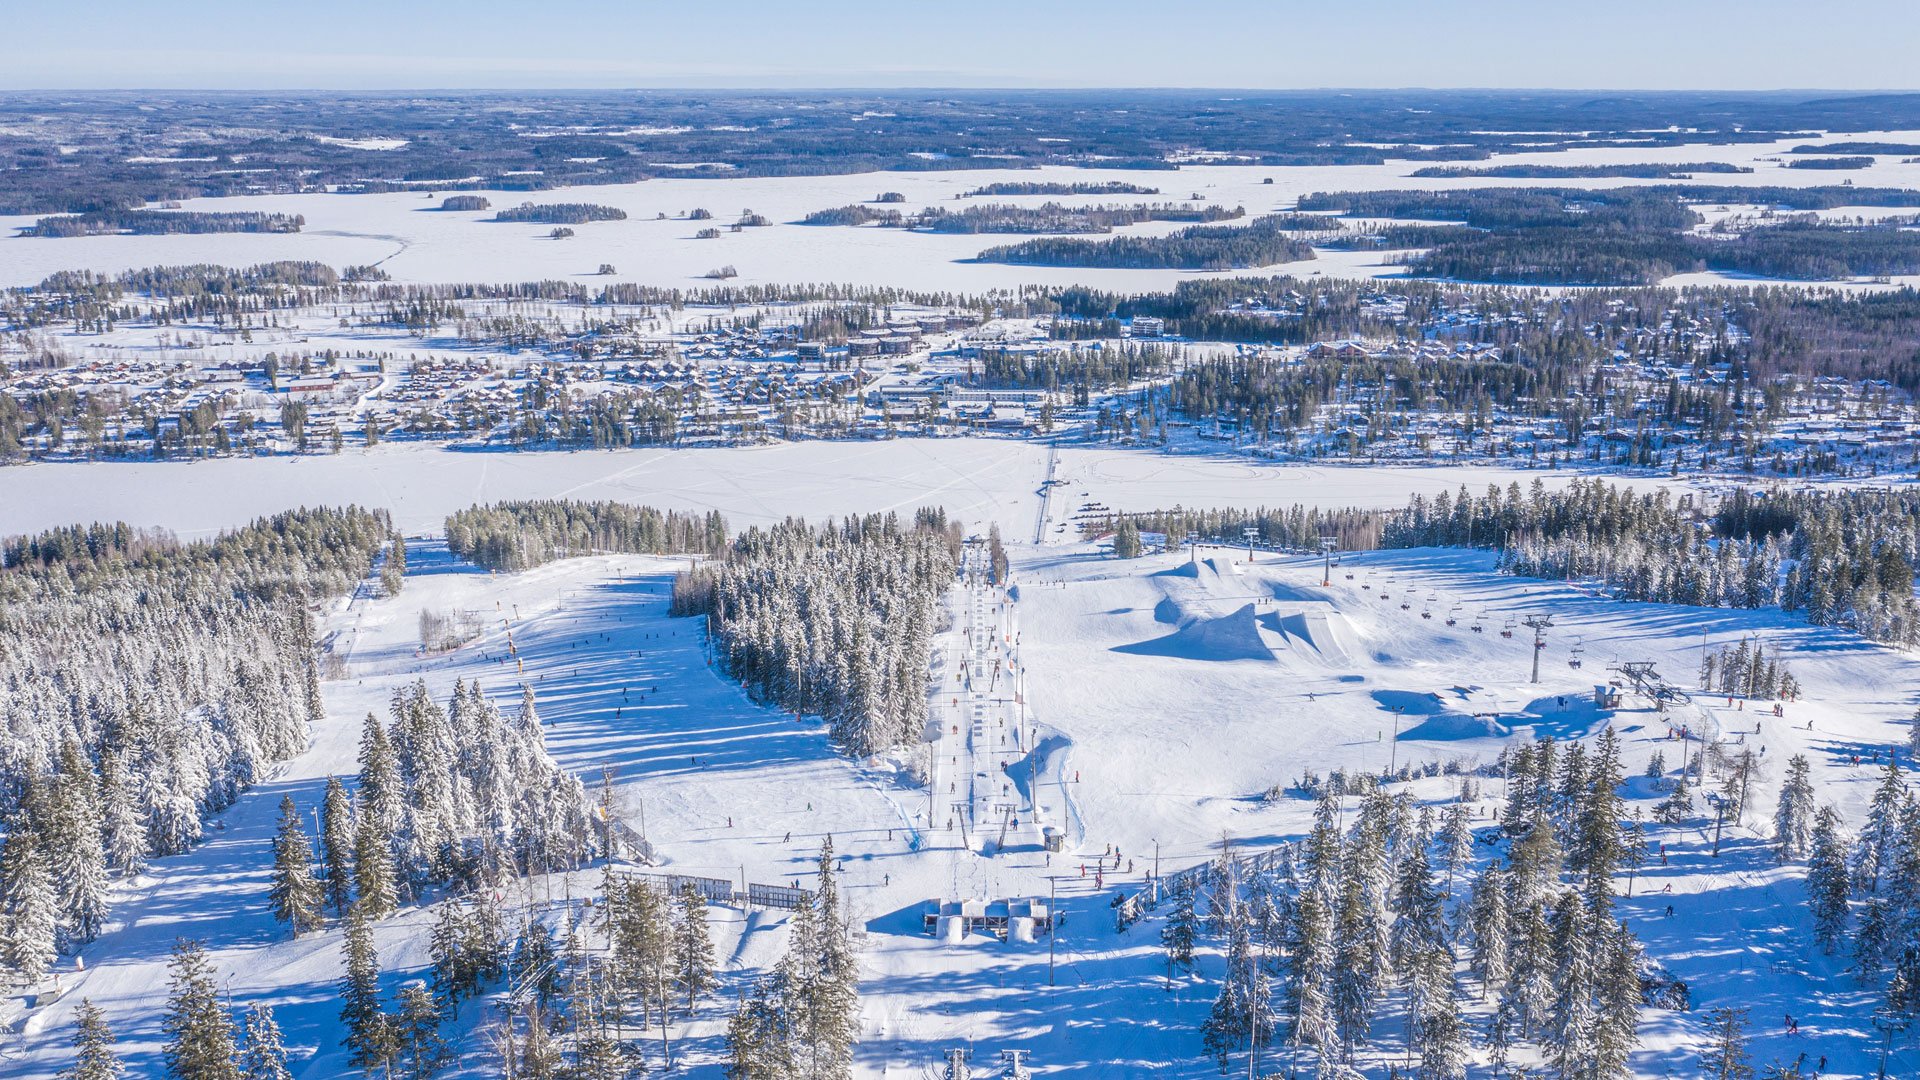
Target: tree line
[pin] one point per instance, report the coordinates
(520, 535)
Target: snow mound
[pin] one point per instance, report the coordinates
(1234, 636)
(1317, 628)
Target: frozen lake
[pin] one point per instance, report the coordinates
(977, 480)
(419, 245)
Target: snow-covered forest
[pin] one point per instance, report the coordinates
(519, 535)
(145, 683)
(833, 620)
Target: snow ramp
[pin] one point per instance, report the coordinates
(1320, 629)
(1233, 636)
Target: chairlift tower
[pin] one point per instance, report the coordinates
(1016, 1064)
(1251, 534)
(1328, 544)
(957, 1067)
(1539, 624)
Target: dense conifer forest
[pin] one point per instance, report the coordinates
(147, 683)
(162, 222)
(519, 535)
(833, 620)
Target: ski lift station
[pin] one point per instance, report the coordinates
(1016, 919)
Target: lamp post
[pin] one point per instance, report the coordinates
(1393, 753)
(1889, 1024)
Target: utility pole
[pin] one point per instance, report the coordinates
(1393, 753)
(1539, 623)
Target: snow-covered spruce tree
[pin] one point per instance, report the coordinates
(199, 1033)
(1874, 848)
(336, 839)
(1725, 1057)
(93, 1055)
(77, 861)
(835, 621)
(460, 795)
(264, 1055)
(1793, 817)
(296, 895)
(1310, 976)
(692, 948)
(368, 1036)
(1242, 1017)
(1828, 879)
(414, 1029)
(1182, 929)
(29, 918)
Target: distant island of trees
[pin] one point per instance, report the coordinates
(1652, 170)
(1263, 241)
(162, 222)
(1037, 187)
(561, 213)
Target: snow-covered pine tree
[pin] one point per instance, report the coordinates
(76, 858)
(1725, 1057)
(124, 822)
(336, 839)
(264, 1055)
(29, 918)
(295, 894)
(1677, 807)
(1793, 818)
(373, 871)
(93, 1054)
(1242, 1017)
(369, 1037)
(693, 948)
(199, 1034)
(418, 1047)
(1873, 849)
(1182, 929)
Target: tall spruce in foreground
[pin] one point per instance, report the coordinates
(93, 1056)
(77, 860)
(199, 1034)
(693, 947)
(264, 1057)
(28, 919)
(1793, 819)
(1827, 879)
(296, 896)
(369, 1034)
(1725, 1057)
(336, 838)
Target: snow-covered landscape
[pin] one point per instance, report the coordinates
(566, 617)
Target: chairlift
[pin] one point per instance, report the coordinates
(1476, 627)
(1507, 630)
(1453, 619)
(1573, 656)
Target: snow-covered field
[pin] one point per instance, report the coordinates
(414, 243)
(1167, 694)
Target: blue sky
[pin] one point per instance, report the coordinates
(355, 44)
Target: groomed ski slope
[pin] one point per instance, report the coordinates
(1164, 695)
